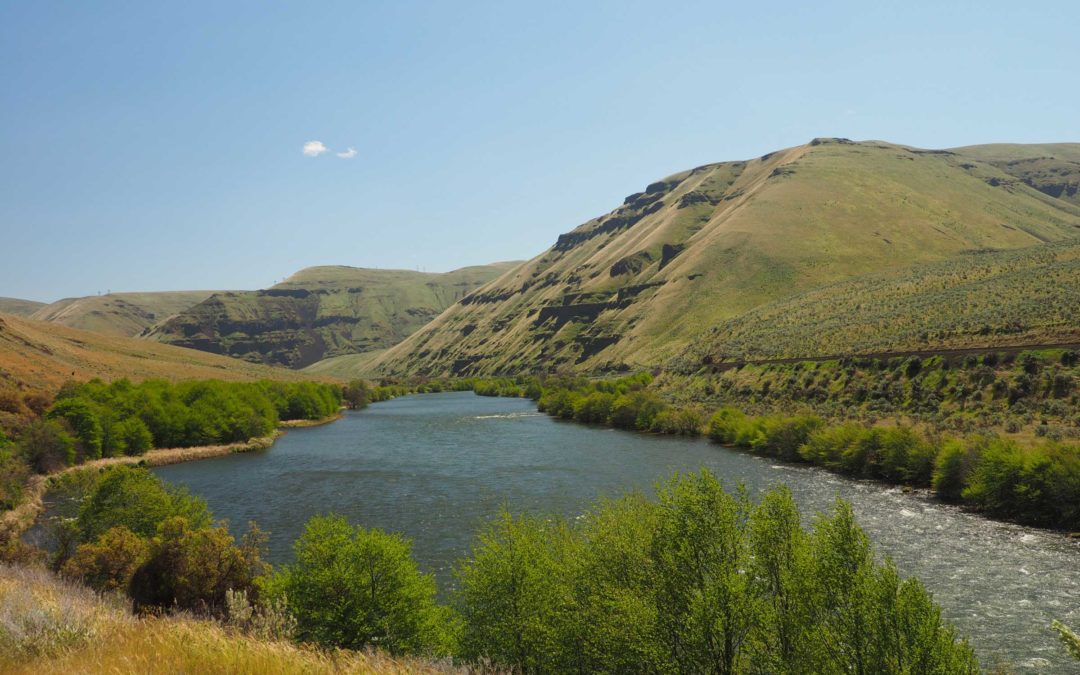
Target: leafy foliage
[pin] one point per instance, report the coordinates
(137, 500)
(355, 588)
(699, 581)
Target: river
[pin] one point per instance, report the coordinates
(436, 467)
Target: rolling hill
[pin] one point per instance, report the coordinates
(1028, 296)
(321, 312)
(42, 356)
(126, 314)
(19, 307)
(642, 284)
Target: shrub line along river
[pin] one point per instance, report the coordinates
(436, 467)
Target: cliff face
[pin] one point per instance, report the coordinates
(639, 285)
(320, 312)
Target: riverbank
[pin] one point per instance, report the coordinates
(14, 522)
(304, 424)
(997, 477)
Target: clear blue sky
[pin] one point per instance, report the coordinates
(152, 146)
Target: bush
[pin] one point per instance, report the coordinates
(13, 474)
(680, 422)
(356, 588)
(82, 419)
(46, 446)
(594, 408)
(192, 568)
(636, 410)
(136, 499)
(698, 581)
(108, 563)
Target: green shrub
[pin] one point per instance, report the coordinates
(46, 446)
(192, 568)
(697, 581)
(594, 408)
(355, 588)
(109, 563)
(679, 422)
(636, 410)
(138, 500)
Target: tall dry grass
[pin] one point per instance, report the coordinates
(48, 625)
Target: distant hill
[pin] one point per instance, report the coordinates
(321, 312)
(1051, 168)
(642, 284)
(125, 314)
(19, 307)
(1028, 296)
(42, 355)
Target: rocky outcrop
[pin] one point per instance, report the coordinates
(320, 313)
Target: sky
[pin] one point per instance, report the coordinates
(225, 145)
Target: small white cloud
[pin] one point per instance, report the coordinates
(314, 148)
(348, 154)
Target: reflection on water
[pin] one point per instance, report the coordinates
(436, 467)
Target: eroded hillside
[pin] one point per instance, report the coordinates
(643, 283)
(321, 312)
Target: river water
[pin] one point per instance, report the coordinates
(436, 467)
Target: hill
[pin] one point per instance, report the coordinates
(19, 307)
(1052, 168)
(42, 356)
(1028, 296)
(640, 285)
(321, 312)
(127, 314)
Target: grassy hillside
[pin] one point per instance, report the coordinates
(1052, 168)
(126, 314)
(321, 312)
(1028, 296)
(643, 283)
(19, 307)
(42, 356)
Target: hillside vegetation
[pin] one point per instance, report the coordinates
(321, 312)
(1029, 296)
(643, 283)
(19, 307)
(42, 356)
(126, 314)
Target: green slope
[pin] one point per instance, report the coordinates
(126, 314)
(643, 283)
(19, 307)
(1028, 296)
(321, 312)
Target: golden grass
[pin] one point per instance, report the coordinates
(126, 314)
(182, 645)
(52, 626)
(40, 355)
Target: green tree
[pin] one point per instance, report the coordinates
(84, 421)
(514, 594)
(699, 550)
(136, 499)
(46, 446)
(355, 588)
(356, 395)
